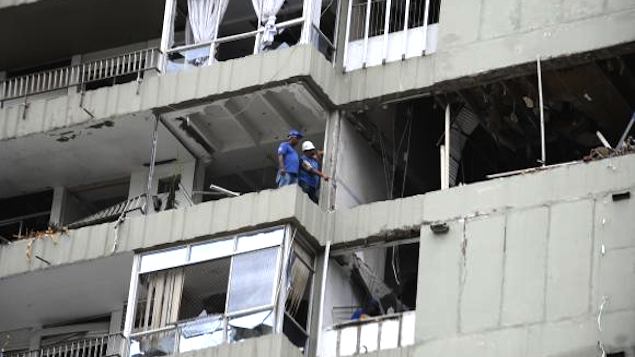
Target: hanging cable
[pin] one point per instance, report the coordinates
(407, 154)
(153, 158)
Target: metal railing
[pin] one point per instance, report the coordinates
(323, 44)
(98, 346)
(378, 31)
(199, 333)
(205, 53)
(365, 336)
(60, 78)
(397, 18)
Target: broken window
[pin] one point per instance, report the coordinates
(224, 290)
(393, 149)
(370, 299)
(22, 216)
(297, 306)
(95, 203)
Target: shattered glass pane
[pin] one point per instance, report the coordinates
(253, 325)
(202, 333)
(154, 344)
(252, 279)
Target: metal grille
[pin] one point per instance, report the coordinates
(60, 78)
(376, 17)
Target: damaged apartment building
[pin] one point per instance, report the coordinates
(481, 157)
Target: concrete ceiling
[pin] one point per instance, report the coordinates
(53, 30)
(243, 132)
(83, 155)
(65, 293)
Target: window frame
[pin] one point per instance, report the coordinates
(284, 245)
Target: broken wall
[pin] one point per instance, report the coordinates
(531, 281)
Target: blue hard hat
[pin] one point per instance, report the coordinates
(295, 133)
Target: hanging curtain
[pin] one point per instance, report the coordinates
(163, 299)
(267, 17)
(202, 17)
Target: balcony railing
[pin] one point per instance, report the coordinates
(98, 346)
(60, 78)
(206, 53)
(365, 336)
(380, 31)
(202, 332)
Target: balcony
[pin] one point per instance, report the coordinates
(96, 346)
(107, 71)
(190, 38)
(370, 335)
(220, 291)
(380, 31)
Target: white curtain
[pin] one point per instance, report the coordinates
(202, 17)
(268, 17)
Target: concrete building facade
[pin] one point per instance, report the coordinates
(480, 156)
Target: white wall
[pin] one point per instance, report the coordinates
(531, 282)
(339, 291)
(138, 179)
(359, 174)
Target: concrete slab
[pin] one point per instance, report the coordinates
(525, 266)
(614, 223)
(576, 9)
(499, 18)
(438, 288)
(499, 343)
(482, 273)
(617, 279)
(538, 13)
(569, 259)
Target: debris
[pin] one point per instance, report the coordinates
(603, 152)
(52, 233)
(603, 140)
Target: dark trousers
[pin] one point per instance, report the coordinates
(309, 190)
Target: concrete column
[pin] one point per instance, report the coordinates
(3, 76)
(116, 319)
(75, 60)
(329, 162)
(199, 181)
(168, 29)
(35, 338)
(314, 319)
(340, 39)
(57, 208)
(307, 7)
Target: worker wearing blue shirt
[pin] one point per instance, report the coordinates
(288, 160)
(310, 171)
